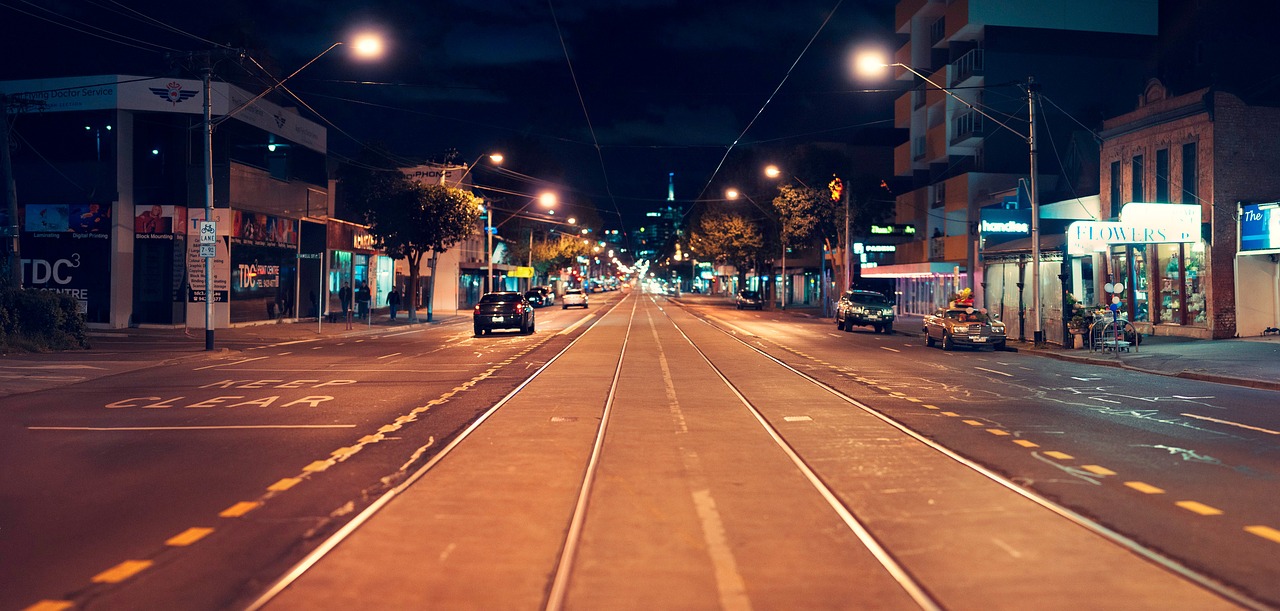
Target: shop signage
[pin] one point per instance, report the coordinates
(1140, 223)
(1259, 227)
(899, 229)
(521, 272)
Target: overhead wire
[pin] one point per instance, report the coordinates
(120, 40)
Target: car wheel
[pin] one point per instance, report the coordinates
(564, 307)
(839, 324)
(848, 325)
(928, 339)
(888, 329)
(947, 344)
(876, 328)
(479, 332)
(999, 347)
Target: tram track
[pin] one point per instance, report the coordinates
(565, 585)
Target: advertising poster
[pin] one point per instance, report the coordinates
(196, 284)
(1259, 227)
(264, 266)
(67, 249)
(159, 221)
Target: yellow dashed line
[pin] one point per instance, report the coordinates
(998, 432)
(389, 428)
(896, 393)
(1266, 532)
(345, 453)
(239, 509)
(952, 414)
(1026, 444)
(972, 422)
(50, 605)
(1144, 488)
(188, 536)
(913, 399)
(318, 466)
(927, 406)
(885, 388)
(372, 438)
(1058, 455)
(285, 484)
(1200, 508)
(122, 571)
(1098, 470)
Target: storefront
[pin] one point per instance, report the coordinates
(1157, 253)
(66, 248)
(159, 264)
(1257, 269)
(264, 267)
(353, 263)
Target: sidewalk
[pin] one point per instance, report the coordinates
(1252, 362)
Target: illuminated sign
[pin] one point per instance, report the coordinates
(1140, 223)
(893, 229)
(1005, 227)
(1259, 227)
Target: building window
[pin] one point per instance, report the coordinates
(1136, 173)
(1162, 176)
(1115, 187)
(1189, 173)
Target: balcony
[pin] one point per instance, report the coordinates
(904, 12)
(967, 128)
(970, 65)
(902, 108)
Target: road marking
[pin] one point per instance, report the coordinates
(927, 406)
(319, 465)
(913, 399)
(239, 509)
(1026, 444)
(387, 356)
(190, 428)
(51, 605)
(296, 341)
(1228, 422)
(239, 362)
(797, 419)
(1266, 532)
(1144, 488)
(1007, 375)
(188, 536)
(1200, 508)
(284, 484)
(1098, 470)
(122, 571)
(889, 349)
(951, 414)
(730, 585)
(998, 432)
(1058, 455)
(972, 422)
(1085, 379)
(284, 354)
(570, 328)
(50, 366)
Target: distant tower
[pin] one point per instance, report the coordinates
(671, 186)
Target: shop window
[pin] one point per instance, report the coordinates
(1139, 282)
(1115, 186)
(1169, 266)
(1196, 314)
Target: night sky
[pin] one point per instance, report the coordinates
(668, 85)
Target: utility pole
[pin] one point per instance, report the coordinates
(208, 206)
(1037, 330)
(9, 193)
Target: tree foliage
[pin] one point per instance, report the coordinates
(803, 212)
(727, 238)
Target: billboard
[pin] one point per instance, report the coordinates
(1259, 227)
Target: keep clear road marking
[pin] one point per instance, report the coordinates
(1230, 423)
(1007, 375)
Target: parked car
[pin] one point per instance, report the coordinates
(749, 299)
(573, 298)
(504, 310)
(963, 326)
(540, 297)
(864, 309)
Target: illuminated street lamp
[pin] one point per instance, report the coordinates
(365, 47)
(872, 64)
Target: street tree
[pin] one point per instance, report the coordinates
(728, 238)
(410, 220)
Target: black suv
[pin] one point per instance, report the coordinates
(750, 299)
(864, 309)
(504, 310)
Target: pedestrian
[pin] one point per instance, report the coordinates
(344, 296)
(363, 299)
(393, 301)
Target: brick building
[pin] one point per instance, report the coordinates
(1205, 148)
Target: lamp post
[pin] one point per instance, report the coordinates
(871, 64)
(772, 171)
(732, 193)
(366, 46)
(496, 158)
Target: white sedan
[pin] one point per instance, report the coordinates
(573, 298)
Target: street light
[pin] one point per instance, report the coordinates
(732, 193)
(871, 64)
(364, 48)
(496, 158)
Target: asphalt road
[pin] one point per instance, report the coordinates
(1184, 467)
(110, 481)
(118, 475)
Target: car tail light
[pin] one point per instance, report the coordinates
(477, 310)
(519, 308)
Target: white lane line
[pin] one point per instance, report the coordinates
(191, 428)
(355, 369)
(834, 334)
(49, 366)
(387, 356)
(404, 332)
(296, 341)
(582, 321)
(1230, 423)
(239, 362)
(1007, 375)
(736, 328)
(894, 350)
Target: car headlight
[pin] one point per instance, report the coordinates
(886, 312)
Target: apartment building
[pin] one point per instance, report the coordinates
(1086, 57)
